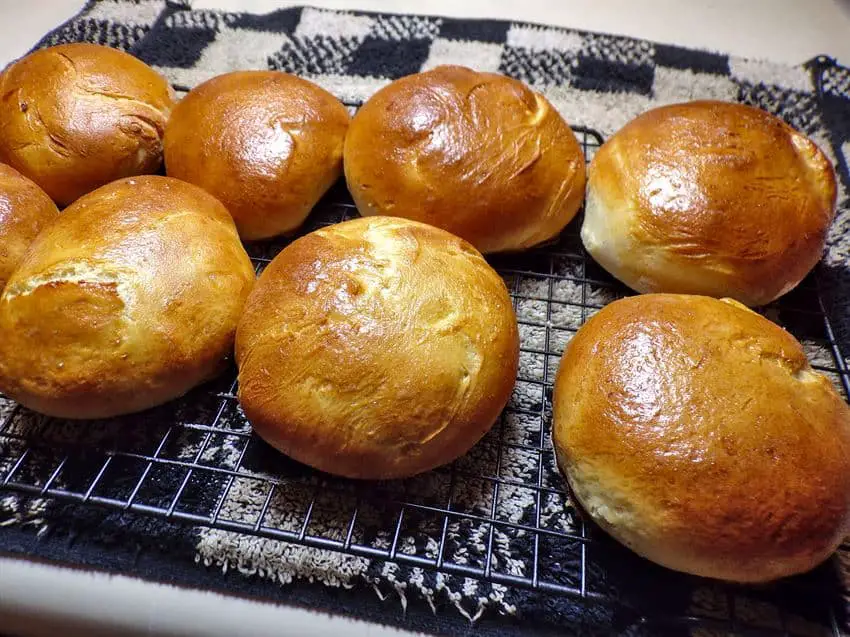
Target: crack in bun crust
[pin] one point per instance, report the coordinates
(129, 299)
(376, 348)
(74, 117)
(478, 154)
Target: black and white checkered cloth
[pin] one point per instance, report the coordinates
(597, 81)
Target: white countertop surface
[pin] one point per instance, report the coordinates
(39, 599)
(36, 599)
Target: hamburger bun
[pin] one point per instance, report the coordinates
(25, 210)
(129, 299)
(478, 154)
(709, 198)
(695, 432)
(376, 348)
(74, 117)
(269, 147)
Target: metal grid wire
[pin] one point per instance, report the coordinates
(186, 460)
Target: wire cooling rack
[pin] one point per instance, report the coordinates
(501, 514)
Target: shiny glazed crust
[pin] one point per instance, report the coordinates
(376, 348)
(25, 209)
(695, 432)
(709, 198)
(266, 144)
(129, 299)
(478, 154)
(74, 117)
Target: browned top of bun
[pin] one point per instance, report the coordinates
(24, 211)
(76, 116)
(698, 434)
(128, 299)
(726, 185)
(266, 144)
(376, 348)
(478, 154)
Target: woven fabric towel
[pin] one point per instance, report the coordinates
(596, 81)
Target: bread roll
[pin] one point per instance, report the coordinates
(376, 348)
(128, 300)
(478, 154)
(25, 210)
(694, 431)
(709, 198)
(77, 116)
(267, 144)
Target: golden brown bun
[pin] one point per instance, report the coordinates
(376, 348)
(478, 154)
(129, 299)
(74, 117)
(25, 210)
(695, 432)
(709, 198)
(267, 144)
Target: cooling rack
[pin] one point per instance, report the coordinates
(501, 514)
